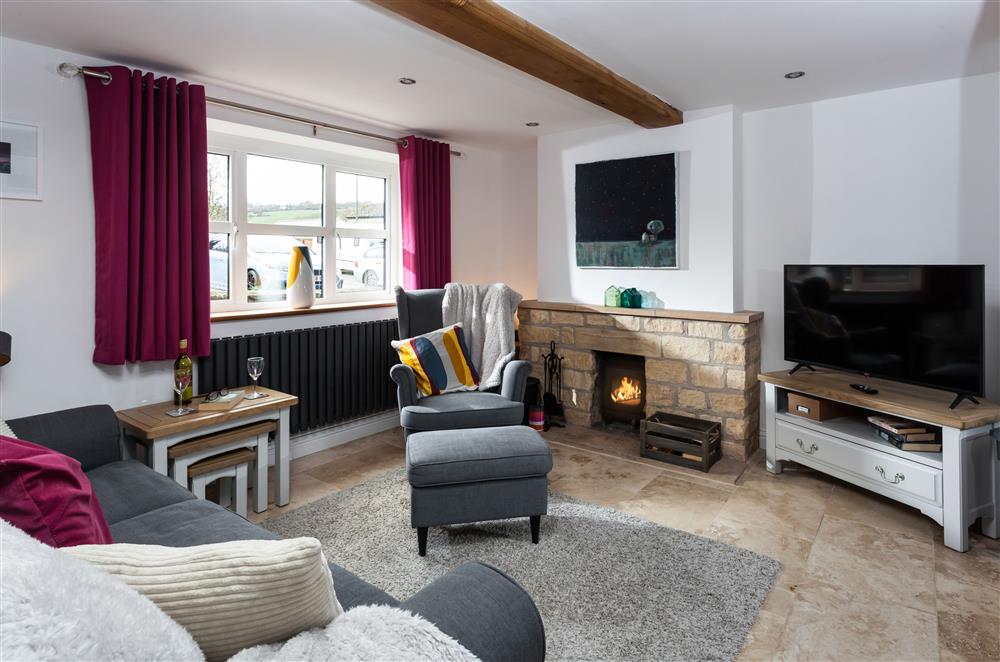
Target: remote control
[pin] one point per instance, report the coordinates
(864, 388)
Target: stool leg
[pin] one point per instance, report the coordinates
(260, 475)
(536, 521)
(240, 487)
(422, 540)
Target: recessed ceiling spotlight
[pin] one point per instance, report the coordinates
(795, 74)
(407, 81)
(531, 124)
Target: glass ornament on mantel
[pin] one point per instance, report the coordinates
(613, 297)
(631, 298)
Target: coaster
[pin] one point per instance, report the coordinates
(177, 414)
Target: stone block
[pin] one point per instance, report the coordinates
(659, 394)
(612, 340)
(690, 399)
(730, 353)
(742, 331)
(705, 329)
(708, 376)
(579, 417)
(599, 320)
(689, 349)
(575, 359)
(736, 428)
(542, 335)
(539, 316)
(729, 403)
(566, 336)
(667, 370)
(561, 317)
(578, 379)
(662, 325)
(626, 322)
(737, 379)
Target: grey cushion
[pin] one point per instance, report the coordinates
(447, 457)
(128, 488)
(496, 620)
(418, 311)
(198, 522)
(89, 435)
(471, 409)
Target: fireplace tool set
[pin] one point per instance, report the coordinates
(555, 415)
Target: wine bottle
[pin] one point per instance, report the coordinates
(183, 366)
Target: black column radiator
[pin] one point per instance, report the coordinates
(339, 372)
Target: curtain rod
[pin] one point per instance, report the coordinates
(69, 70)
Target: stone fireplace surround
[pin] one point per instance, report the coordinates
(699, 364)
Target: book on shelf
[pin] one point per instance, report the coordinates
(912, 430)
(902, 444)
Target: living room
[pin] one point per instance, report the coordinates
(573, 433)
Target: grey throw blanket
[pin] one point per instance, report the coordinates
(486, 313)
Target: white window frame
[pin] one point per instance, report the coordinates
(237, 147)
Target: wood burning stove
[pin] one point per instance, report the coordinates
(621, 388)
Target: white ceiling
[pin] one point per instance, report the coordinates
(346, 56)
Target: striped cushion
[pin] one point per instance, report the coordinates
(440, 361)
(230, 595)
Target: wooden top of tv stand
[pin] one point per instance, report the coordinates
(916, 402)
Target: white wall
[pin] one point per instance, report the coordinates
(907, 175)
(705, 228)
(47, 247)
(493, 218)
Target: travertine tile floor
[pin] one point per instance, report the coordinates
(863, 577)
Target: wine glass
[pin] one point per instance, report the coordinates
(181, 383)
(255, 367)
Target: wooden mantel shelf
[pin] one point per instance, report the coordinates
(914, 402)
(739, 317)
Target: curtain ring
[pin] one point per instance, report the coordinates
(405, 143)
(107, 81)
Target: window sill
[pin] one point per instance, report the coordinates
(263, 313)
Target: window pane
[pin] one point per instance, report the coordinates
(360, 264)
(283, 191)
(360, 201)
(268, 257)
(218, 261)
(218, 188)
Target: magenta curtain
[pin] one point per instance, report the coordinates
(149, 148)
(425, 187)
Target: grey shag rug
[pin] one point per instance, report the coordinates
(609, 586)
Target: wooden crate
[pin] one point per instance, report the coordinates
(681, 440)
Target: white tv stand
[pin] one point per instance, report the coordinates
(954, 487)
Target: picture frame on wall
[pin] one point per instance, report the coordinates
(626, 213)
(20, 160)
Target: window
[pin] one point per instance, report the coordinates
(265, 197)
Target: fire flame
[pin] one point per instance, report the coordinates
(628, 392)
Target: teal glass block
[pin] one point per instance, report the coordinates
(613, 297)
(631, 298)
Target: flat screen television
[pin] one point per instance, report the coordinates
(916, 324)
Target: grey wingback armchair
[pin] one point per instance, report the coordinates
(420, 312)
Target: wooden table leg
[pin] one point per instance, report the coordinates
(991, 522)
(281, 458)
(955, 471)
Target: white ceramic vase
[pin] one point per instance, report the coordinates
(301, 287)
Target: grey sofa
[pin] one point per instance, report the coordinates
(488, 612)
(419, 312)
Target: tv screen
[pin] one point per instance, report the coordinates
(917, 324)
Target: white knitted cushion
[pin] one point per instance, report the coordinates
(230, 595)
(55, 607)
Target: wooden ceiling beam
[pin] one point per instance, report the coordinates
(501, 34)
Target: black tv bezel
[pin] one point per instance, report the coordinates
(938, 387)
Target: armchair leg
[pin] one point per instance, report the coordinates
(422, 540)
(536, 521)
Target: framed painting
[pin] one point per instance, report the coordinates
(20, 162)
(626, 213)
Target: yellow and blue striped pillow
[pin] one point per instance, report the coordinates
(440, 360)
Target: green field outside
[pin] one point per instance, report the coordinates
(290, 216)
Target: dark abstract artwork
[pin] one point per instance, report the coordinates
(626, 213)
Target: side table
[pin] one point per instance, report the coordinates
(150, 426)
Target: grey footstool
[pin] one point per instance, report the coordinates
(478, 474)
